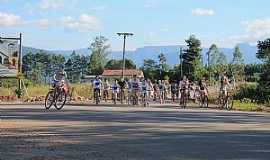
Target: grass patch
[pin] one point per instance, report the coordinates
(246, 106)
(7, 91)
(40, 90)
(82, 90)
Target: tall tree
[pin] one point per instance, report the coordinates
(264, 50)
(150, 69)
(38, 67)
(192, 58)
(163, 66)
(217, 60)
(118, 64)
(237, 65)
(74, 67)
(237, 56)
(222, 59)
(98, 59)
(263, 54)
(214, 55)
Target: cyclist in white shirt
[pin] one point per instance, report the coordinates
(97, 85)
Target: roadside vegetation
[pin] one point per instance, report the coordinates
(252, 80)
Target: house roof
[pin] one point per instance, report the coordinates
(127, 72)
(3, 54)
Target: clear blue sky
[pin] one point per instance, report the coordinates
(72, 24)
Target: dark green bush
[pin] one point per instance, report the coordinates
(247, 91)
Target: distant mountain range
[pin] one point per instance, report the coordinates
(152, 52)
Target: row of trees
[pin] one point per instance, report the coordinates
(192, 66)
(38, 67)
(264, 81)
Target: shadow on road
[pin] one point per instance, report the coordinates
(140, 135)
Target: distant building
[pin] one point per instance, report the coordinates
(112, 74)
(3, 58)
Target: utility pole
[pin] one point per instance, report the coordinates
(124, 50)
(181, 61)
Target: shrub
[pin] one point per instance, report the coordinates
(247, 92)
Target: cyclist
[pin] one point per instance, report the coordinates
(224, 83)
(106, 88)
(115, 90)
(149, 90)
(191, 91)
(144, 91)
(174, 90)
(129, 84)
(97, 85)
(156, 90)
(135, 84)
(203, 88)
(60, 77)
(184, 84)
(162, 90)
(122, 85)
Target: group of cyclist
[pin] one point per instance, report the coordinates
(142, 90)
(135, 89)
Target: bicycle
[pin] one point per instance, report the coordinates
(122, 96)
(162, 96)
(174, 95)
(145, 99)
(135, 98)
(96, 95)
(114, 97)
(184, 98)
(57, 96)
(105, 95)
(204, 101)
(225, 100)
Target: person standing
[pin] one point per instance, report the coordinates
(122, 85)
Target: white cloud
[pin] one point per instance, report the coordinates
(44, 23)
(85, 23)
(258, 29)
(150, 3)
(3, 1)
(9, 20)
(164, 30)
(51, 4)
(202, 12)
(98, 8)
(151, 36)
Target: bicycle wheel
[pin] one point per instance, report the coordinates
(96, 96)
(221, 103)
(61, 99)
(201, 102)
(122, 97)
(185, 102)
(229, 103)
(114, 98)
(206, 102)
(144, 100)
(49, 100)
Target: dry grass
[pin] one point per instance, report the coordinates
(7, 91)
(40, 90)
(78, 90)
(81, 90)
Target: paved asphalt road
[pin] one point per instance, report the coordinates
(135, 133)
